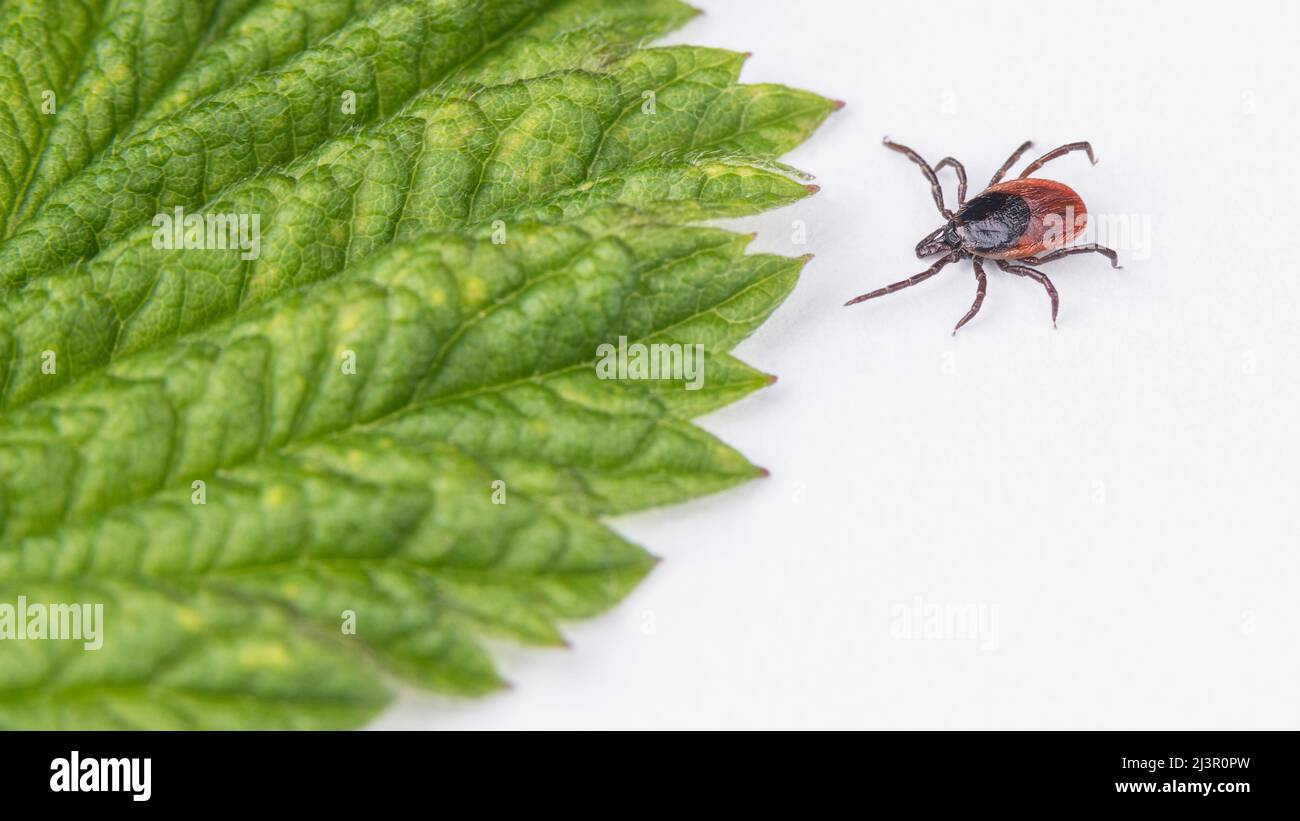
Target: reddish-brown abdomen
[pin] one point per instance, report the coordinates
(1043, 214)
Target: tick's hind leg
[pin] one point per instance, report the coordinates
(1039, 276)
(961, 177)
(935, 188)
(1078, 249)
(1058, 152)
(979, 294)
(909, 282)
(1012, 160)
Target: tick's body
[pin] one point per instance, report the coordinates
(1021, 218)
(1016, 220)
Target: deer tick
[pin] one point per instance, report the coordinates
(1016, 220)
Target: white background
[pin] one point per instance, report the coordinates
(1121, 493)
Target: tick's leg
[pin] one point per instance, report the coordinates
(961, 177)
(1078, 249)
(1012, 160)
(1058, 152)
(982, 283)
(935, 189)
(909, 282)
(1039, 276)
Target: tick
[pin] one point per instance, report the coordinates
(1017, 220)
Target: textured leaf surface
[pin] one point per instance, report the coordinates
(510, 192)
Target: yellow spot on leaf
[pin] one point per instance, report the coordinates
(119, 74)
(265, 654)
(275, 496)
(189, 618)
(351, 318)
(475, 290)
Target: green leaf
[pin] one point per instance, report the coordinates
(393, 414)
